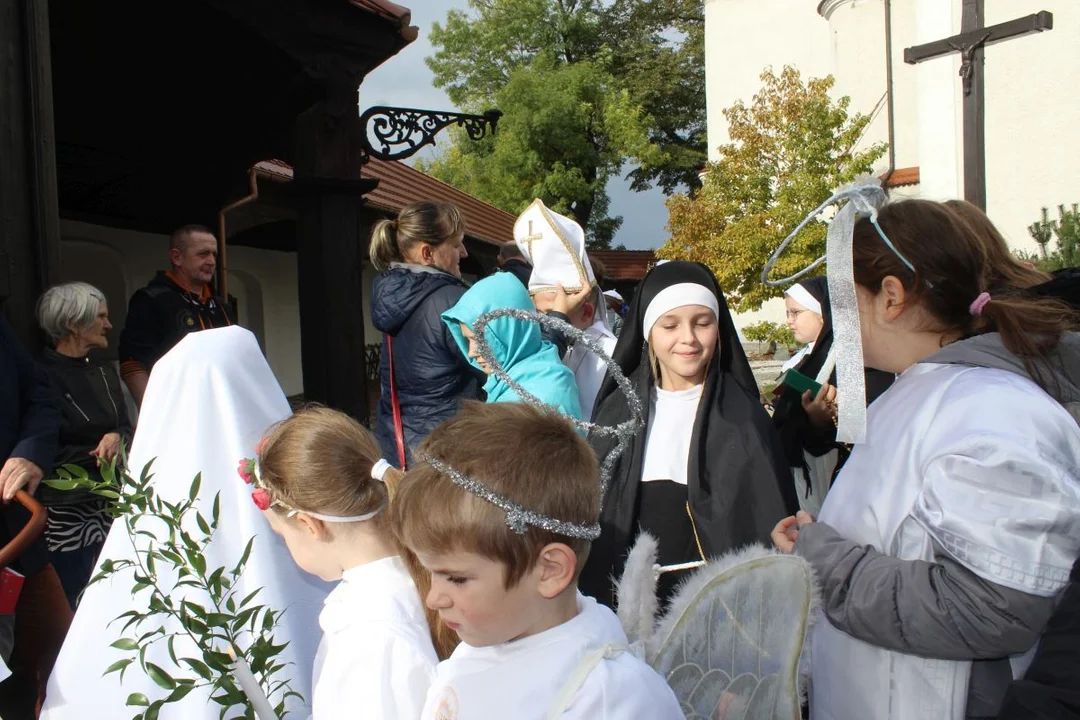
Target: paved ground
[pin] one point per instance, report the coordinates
(765, 372)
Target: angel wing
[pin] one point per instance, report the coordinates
(730, 641)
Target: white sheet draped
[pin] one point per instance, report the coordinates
(208, 402)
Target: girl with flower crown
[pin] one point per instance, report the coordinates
(314, 479)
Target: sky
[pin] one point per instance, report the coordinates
(405, 81)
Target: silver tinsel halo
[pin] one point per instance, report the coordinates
(623, 432)
(517, 517)
(867, 195)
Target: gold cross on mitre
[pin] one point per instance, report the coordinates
(531, 237)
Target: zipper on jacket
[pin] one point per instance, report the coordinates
(104, 379)
(72, 401)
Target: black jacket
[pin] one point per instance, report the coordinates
(160, 315)
(1064, 286)
(519, 269)
(1050, 690)
(29, 421)
(431, 374)
(91, 406)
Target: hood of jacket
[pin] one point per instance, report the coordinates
(396, 293)
(518, 345)
(1062, 373)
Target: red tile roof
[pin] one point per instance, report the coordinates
(396, 14)
(901, 177)
(624, 264)
(400, 185)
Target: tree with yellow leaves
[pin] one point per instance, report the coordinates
(789, 150)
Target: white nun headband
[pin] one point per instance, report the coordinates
(802, 296)
(676, 296)
(865, 197)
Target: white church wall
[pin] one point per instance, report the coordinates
(743, 37)
(264, 282)
(937, 101)
(856, 34)
(1032, 118)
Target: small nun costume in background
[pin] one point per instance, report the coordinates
(707, 474)
(555, 245)
(208, 402)
(811, 451)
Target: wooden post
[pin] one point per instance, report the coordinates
(29, 216)
(333, 228)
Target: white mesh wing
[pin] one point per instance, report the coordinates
(730, 642)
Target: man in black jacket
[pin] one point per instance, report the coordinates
(175, 303)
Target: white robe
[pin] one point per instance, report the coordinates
(580, 669)
(376, 659)
(979, 461)
(208, 402)
(589, 369)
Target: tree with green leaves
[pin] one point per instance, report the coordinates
(585, 87)
(789, 150)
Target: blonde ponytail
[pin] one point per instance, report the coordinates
(383, 248)
(428, 221)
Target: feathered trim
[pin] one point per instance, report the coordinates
(635, 591)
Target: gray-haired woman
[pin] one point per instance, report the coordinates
(94, 424)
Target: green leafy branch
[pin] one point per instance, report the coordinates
(160, 568)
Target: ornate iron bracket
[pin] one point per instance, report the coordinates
(401, 132)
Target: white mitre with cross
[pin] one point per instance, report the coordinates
(555, 246)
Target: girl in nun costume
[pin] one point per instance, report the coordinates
(804, 423)
(706, 473)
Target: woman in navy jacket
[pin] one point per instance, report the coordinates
(418, 257)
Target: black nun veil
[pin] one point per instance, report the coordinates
(739, 485)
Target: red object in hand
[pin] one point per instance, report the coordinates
(11, 583)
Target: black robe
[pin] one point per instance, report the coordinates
(739, 485)
(797, 433)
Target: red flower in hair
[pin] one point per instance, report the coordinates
(246, 470)
(259, 447)
(261, 499)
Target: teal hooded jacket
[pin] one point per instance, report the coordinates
(530, 360)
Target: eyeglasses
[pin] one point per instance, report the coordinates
(793, 314)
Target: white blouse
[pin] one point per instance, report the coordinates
(376, 659)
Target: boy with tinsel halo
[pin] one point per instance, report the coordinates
(501, 508)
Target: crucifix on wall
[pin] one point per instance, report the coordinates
(969, 44)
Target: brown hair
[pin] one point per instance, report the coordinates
(427, 221)
(320, 460)
(1012, 273)
(532, 457)
(952, 268)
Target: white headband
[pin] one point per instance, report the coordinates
(676, 296)
(802, 296)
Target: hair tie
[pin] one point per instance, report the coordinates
(378, 470)
(393, 224)
(979, 303)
